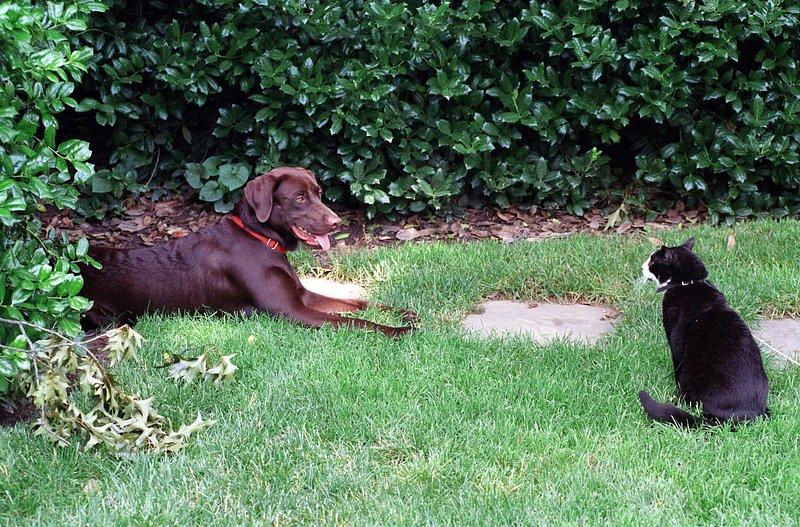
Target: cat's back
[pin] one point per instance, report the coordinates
(701, 311)
(684, 307)
(715, 342)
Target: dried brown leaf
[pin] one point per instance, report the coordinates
(130, 226)
(412, 233)
(625, 227)
(90, 486)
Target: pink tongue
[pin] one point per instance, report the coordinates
(323, 241)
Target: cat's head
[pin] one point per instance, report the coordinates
(674, 265)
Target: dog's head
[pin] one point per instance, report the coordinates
(674, 265)
(288, 200)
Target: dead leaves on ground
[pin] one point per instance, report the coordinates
(189, 370)
(116, 419)
(147, 222)
(520, 223)
(144, 222)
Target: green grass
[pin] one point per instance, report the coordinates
(346, 427)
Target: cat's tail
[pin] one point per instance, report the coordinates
(668, 413)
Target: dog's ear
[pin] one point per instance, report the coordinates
(258, 194)
(689, 243)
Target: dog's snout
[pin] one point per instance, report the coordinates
(334, 221)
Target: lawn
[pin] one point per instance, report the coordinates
(347, 427)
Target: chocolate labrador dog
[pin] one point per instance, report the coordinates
(237, 265)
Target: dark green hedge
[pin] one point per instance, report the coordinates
(411, 106)
(39, 164)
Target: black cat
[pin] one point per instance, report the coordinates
(716, 360)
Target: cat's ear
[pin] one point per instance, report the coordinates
(689, 243)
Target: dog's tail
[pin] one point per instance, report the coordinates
(668, 413)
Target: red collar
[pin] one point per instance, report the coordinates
(269, 242)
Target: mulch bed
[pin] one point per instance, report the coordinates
(147, 222)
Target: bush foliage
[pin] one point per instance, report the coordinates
(39, 69)
(408, 106)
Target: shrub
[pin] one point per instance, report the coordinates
(38, 71)
(408, 106)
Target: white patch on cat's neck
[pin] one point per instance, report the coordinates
(647, 275)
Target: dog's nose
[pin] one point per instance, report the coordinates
(334, 221)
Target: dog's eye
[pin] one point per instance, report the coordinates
(300, 199)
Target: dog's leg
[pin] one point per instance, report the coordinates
(283, 298)
(331, 305)
(409, 316)
(310, 317)
(346, 305)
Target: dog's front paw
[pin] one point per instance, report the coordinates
(397, 332)
(409, 316)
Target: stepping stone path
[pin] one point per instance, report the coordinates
(325, 287)
(783, 334)
(542, 321)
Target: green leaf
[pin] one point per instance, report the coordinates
(73, 285)
(82, 247)
(7, 369)
(336, 124)
(69, 327)
(78, 303)
(223, 207)
(101, 185)
(75, 149)
(195, 175)
(19, 342)
(509, 117)
(211, 191)
(18, 296)
(76, 25)
(234, 176)
(50, 136)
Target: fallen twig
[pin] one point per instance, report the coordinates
(779, 352)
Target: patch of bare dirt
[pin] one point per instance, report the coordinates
(15, 411)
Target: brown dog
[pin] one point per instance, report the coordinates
(237, 265)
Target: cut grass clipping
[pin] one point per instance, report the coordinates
(347, 427)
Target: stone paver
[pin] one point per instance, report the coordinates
(334, 289)
(544, 322)
(783, 334)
